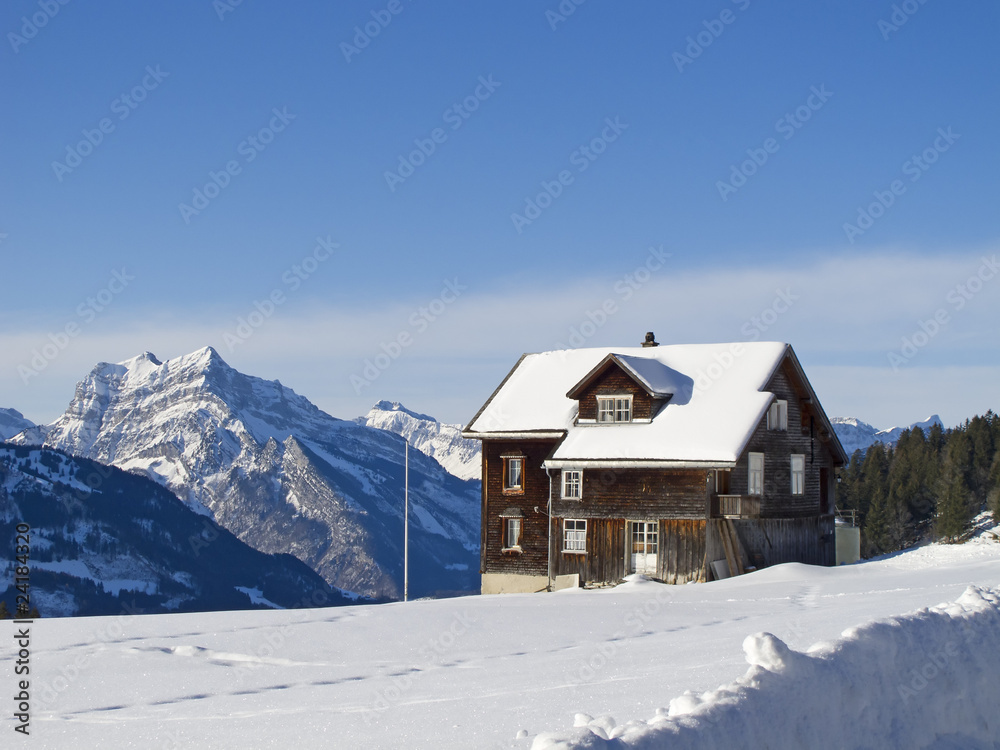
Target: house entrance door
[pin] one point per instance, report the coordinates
(644, 547)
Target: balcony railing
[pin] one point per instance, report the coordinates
(735, 506)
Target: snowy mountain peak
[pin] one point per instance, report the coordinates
(12, 422)
(857, 435)
(396, 406)
(442, 442)
(275, 470)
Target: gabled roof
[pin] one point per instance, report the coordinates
(654, 377)
(716, 402)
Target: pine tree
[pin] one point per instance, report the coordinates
(4, 612)
(954, 498)
(981, 450)
(993, 497)
(876, 528)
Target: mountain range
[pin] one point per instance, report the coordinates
(103, 541)
(442, 442)
(276, 471)
(12, 422)
(857, 435)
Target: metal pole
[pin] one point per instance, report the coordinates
(406, 523)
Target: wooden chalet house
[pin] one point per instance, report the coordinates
(681, 462)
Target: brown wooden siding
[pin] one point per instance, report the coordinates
(635, 494)
(681, 551)
(533, 557)
(615, 382)
(773, 541)
(777, 447)
(604, 561)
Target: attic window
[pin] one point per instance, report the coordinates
(614, 408)
(777, 416)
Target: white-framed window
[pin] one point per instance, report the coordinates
(572, 484)
(512, 536)
(777, 416)
(614, 408)
(513, 475)
(755, 481)
(574, 535)
(798, 474)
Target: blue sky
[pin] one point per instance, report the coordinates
(477, 179)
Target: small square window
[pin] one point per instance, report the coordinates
(512, 536)
(614, 408)
(798, 473)
(572, 484)
(755, 481)
(513, 476)
(574, 535)
(777, 416)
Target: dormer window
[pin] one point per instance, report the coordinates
(614, 408)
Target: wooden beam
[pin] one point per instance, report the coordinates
(727, 547)
(734, 540)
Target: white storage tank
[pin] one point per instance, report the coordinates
(848, 540)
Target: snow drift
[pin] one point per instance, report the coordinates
(927, 679)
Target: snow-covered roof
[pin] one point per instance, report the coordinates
(716, 402)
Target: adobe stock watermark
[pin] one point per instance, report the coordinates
(454, 116)
(753, 329)
(419, 321)
(581, 158)
(431, 653)
(702, 40)
(624, 289)
(786, 126)
(901, 13)
(31, 25)
(364, 34)
(249, 148)
(87, 312)
(915, 167)
(292, 279)
(110, 630)
(929, 671)
(122, 106)
(223, 8)
(957, 298)
(635, 622)
(562, 12)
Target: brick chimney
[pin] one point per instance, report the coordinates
(650, 340)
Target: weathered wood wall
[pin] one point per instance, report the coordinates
(533, 557)
(604, 561)
(778, 446)
(682, 551)
(636, 494)
(770, 541)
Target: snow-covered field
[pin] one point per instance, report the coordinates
(477, 672)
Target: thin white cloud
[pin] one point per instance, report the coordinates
(843, 315)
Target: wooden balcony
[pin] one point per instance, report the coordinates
(735, 506)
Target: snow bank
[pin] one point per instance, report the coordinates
(926, 679)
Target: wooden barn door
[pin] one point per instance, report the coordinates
(645, 547)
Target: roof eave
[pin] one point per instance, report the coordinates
(622, 463)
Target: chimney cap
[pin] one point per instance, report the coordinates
(650, 340)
